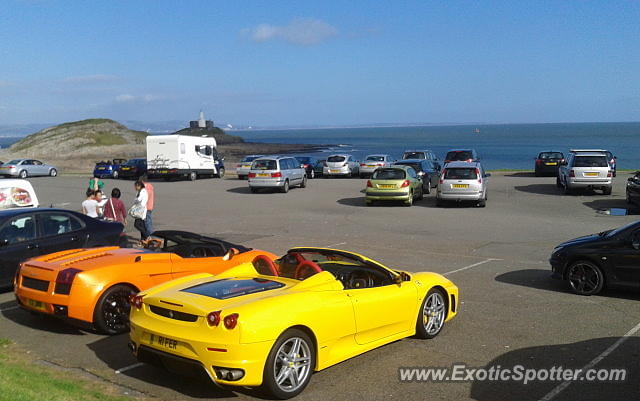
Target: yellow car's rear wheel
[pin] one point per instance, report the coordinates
(289, 364)
(432, 314)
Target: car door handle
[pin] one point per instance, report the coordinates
(33, 246)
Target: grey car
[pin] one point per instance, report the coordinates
(278, 172)
(463, 181)
(24, 168)
(586, 169)
(341, 165)
(373, 162)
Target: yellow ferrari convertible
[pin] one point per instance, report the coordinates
(271, 323)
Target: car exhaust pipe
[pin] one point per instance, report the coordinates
(228, 374)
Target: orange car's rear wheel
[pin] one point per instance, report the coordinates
(111, 315)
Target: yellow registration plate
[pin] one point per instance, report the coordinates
(590, 174)
(262, 175)
(246, 166)
(32, 303)
(386, 186)
(460, 186)
(335, 171)
(126, 168)
(163, 342)
(371, 165)
(551, 164)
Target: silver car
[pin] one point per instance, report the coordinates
(586, 169)
(372, 162)
(341, 165)
(24, 168)
(244, 165)
(280, 172)
(463, 181)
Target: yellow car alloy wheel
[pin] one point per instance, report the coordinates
(290, 364)
(433, 314)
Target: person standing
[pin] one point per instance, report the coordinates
(99, 197)
(148, 221)
(96, 184)
(114, 209)
(140, 208)
(90, 205)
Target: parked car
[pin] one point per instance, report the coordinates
(133, 168)
(373, 162)
(279, 172)
(108, 169)
(463, 181)
(17, 194)
(29, 232)
(548, 163)
(91, 287)
(244, 165)
(274, 323)
(585, 169)
(427, 171)
(589, 264)
(394, 183)
(633, 189)
(341, 165)
(613, 161)
(461, 155)
(308, 163)
(319, 167)
(24, 168)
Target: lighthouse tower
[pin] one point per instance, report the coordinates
(202, 123)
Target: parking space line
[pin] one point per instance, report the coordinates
(560, 387)
(332, 245)
(470, 266)
(135, 365)
(10, 308)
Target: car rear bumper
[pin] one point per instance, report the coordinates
(387, 195)
(336, 171)
(461, 196)
(589, 183)
(266, 183)
(11, 173)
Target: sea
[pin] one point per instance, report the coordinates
(500, 146)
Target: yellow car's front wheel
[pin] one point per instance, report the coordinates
(432, 315)
(289, 364)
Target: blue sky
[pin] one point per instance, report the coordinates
(320, 63)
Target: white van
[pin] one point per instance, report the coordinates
(16, 194)
(183, 156)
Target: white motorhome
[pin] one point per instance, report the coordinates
(183, 156)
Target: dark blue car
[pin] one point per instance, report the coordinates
(134, 168)
(108, 169)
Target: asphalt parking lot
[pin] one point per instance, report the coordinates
(511, 313)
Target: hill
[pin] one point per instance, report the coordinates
(222, 138)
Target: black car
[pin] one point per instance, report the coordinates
(309, 164)
(609, 258)
(426, 169)
(133, 168)
(548, 163)
(318, 168)
(633, 189)
(25, 233)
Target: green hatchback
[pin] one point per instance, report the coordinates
(395, 183)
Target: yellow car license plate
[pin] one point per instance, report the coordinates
(591, 174)
(551, 164)
(460, 186)
(371, 165)
(100, 168)
(262, 175)
(164, 342)
(335, 171)
(32, 303)
(163, 171)
(126, 168)
(386, 186)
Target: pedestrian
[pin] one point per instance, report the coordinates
(148, 221)
(99, 197)
(95, 183)
(90, 205)
(139, 210)
(114, 209)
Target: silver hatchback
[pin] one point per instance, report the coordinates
(373, 162)
(463, 181)
(586, 169)
(341, 165)
(279, 172)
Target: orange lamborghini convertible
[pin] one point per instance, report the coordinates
(91, 287)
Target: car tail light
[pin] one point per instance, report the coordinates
(405, 184)
(231, 321)
(572, 173)
(213, 318)
(324, 163)
(369, 184)
(610, 173)
(380, 164)
(174, 170)
(479, 176)
(238, 165)
(538, 162)
(252, 175)
(362, 164)
(306, 165)
(136, 300)
(66, 276)
(469, 160)
(11, 166)
(441, 181)
(276, 175)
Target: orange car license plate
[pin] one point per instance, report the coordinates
(32, 303)
(460, 186)
(591, 174)
(262, 175)
(386, 186)
(164, 342)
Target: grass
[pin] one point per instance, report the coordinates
(21, 380)
(103, 139)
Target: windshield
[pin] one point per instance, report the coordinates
(459, 155)
(389, 174)
(134, 162)
(618, 230)
(14, 161)
(304, 160)
(248, 159)
(591, 161)
(551, 155)
(375, 158)
(264, 165)
(231, 288)
(464, 173)
(414, 155)
(336, 159)
(416, 166)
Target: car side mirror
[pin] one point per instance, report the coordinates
(488, 175)
(635, 243)
(398, 279)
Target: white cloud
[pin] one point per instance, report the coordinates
(300, 31)
(90, 79)
(148, 98)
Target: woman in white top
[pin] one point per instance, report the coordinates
(90, 205)
(141, 202)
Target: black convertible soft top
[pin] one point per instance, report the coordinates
(185, 237)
